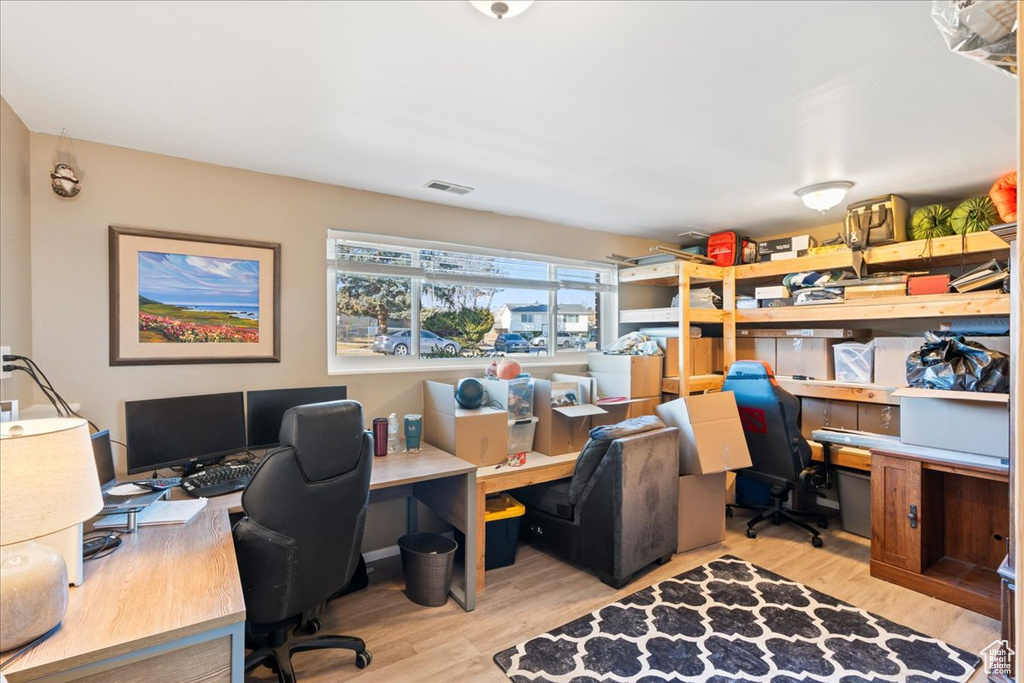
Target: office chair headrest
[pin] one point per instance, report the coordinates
(750, 369)
(327, 437)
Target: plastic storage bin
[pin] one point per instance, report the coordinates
(855, 362)
(855, 502)
(520, 435)
(427, 563)
(503, 518)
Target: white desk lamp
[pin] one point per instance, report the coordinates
(48, 483)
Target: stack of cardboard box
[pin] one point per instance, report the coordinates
(711, 444)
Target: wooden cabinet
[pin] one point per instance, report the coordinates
(939, 528)
(895, 512)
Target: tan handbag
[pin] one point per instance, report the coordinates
(881, 220)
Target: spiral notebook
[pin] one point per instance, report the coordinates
(160, 512)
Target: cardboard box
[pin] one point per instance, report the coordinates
(756, 348)
(626, 410)
(878, 419)
(629, 376)
(561, 430)
(784, 255)
(711, 438)
(478, 436)
(771, 292)
(705, 352)
(794, 243)
(818, 413)
(702, 500)
(966, 421)
(811, 357)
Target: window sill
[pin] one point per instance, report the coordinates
(428, 367)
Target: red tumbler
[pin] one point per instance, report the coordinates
(380, 436)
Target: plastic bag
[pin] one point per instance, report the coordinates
(955, 364)
(633, 344)
(982, 30)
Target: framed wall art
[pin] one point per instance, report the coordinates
(179, 298)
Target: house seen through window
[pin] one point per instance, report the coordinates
(407, 301)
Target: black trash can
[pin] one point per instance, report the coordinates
(427, 563)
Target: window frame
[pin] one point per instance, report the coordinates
(380, 363)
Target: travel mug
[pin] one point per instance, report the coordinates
(413, 431)
(380, 436)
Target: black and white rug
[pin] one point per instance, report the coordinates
(733, 622)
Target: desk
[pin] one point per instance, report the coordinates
(442, 482)
(492, 479)
(166, 588)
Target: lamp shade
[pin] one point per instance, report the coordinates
(48, 479)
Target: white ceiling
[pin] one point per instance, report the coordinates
(643, 118)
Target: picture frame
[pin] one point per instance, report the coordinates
(178, 298)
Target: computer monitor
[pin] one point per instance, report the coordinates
(267, 409)
(185, 430)
(104, 459)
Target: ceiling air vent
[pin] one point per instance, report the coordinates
(448, 187)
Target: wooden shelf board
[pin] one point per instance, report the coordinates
(670, 385)
(931, 306)
(842, 456)
(667, 274)
(918, 252)
(669, 315)
(840, 391)
(952, 580)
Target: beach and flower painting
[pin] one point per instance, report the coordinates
(193, 299)
(179, 298)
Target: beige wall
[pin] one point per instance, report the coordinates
(15, 257)
(125, 187)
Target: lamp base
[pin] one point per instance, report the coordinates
(33, 592)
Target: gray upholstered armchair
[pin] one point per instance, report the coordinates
(618, 513)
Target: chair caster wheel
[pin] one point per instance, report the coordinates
(751, 533)
(363, 659)
(728, 511)
(311, 627)
(823, 523)
(817, 542)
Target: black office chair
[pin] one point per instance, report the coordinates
(781, 456)
(298, 543)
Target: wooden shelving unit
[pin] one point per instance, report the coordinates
(920, 255)
(682, 275)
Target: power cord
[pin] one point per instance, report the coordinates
(110, 540)
(32, 369)
(28, 647)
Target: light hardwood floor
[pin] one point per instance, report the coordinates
(540, 592)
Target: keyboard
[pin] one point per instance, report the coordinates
(219, 479)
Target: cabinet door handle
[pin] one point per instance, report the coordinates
(913, 516)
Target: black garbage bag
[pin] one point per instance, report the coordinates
(956, 364)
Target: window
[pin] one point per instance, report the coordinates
(404, 303)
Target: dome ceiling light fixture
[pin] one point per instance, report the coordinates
(824, 196)
(499, 9)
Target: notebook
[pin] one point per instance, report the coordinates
(160, 512)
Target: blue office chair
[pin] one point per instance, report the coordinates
(781, 456)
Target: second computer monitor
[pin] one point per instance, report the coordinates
(267, 409)
(184, 430)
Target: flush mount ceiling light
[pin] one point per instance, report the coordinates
(824, 196)
(501, 8)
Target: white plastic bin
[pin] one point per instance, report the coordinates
(520, 435)
(855, 362)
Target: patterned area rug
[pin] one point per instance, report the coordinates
(733, 622)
